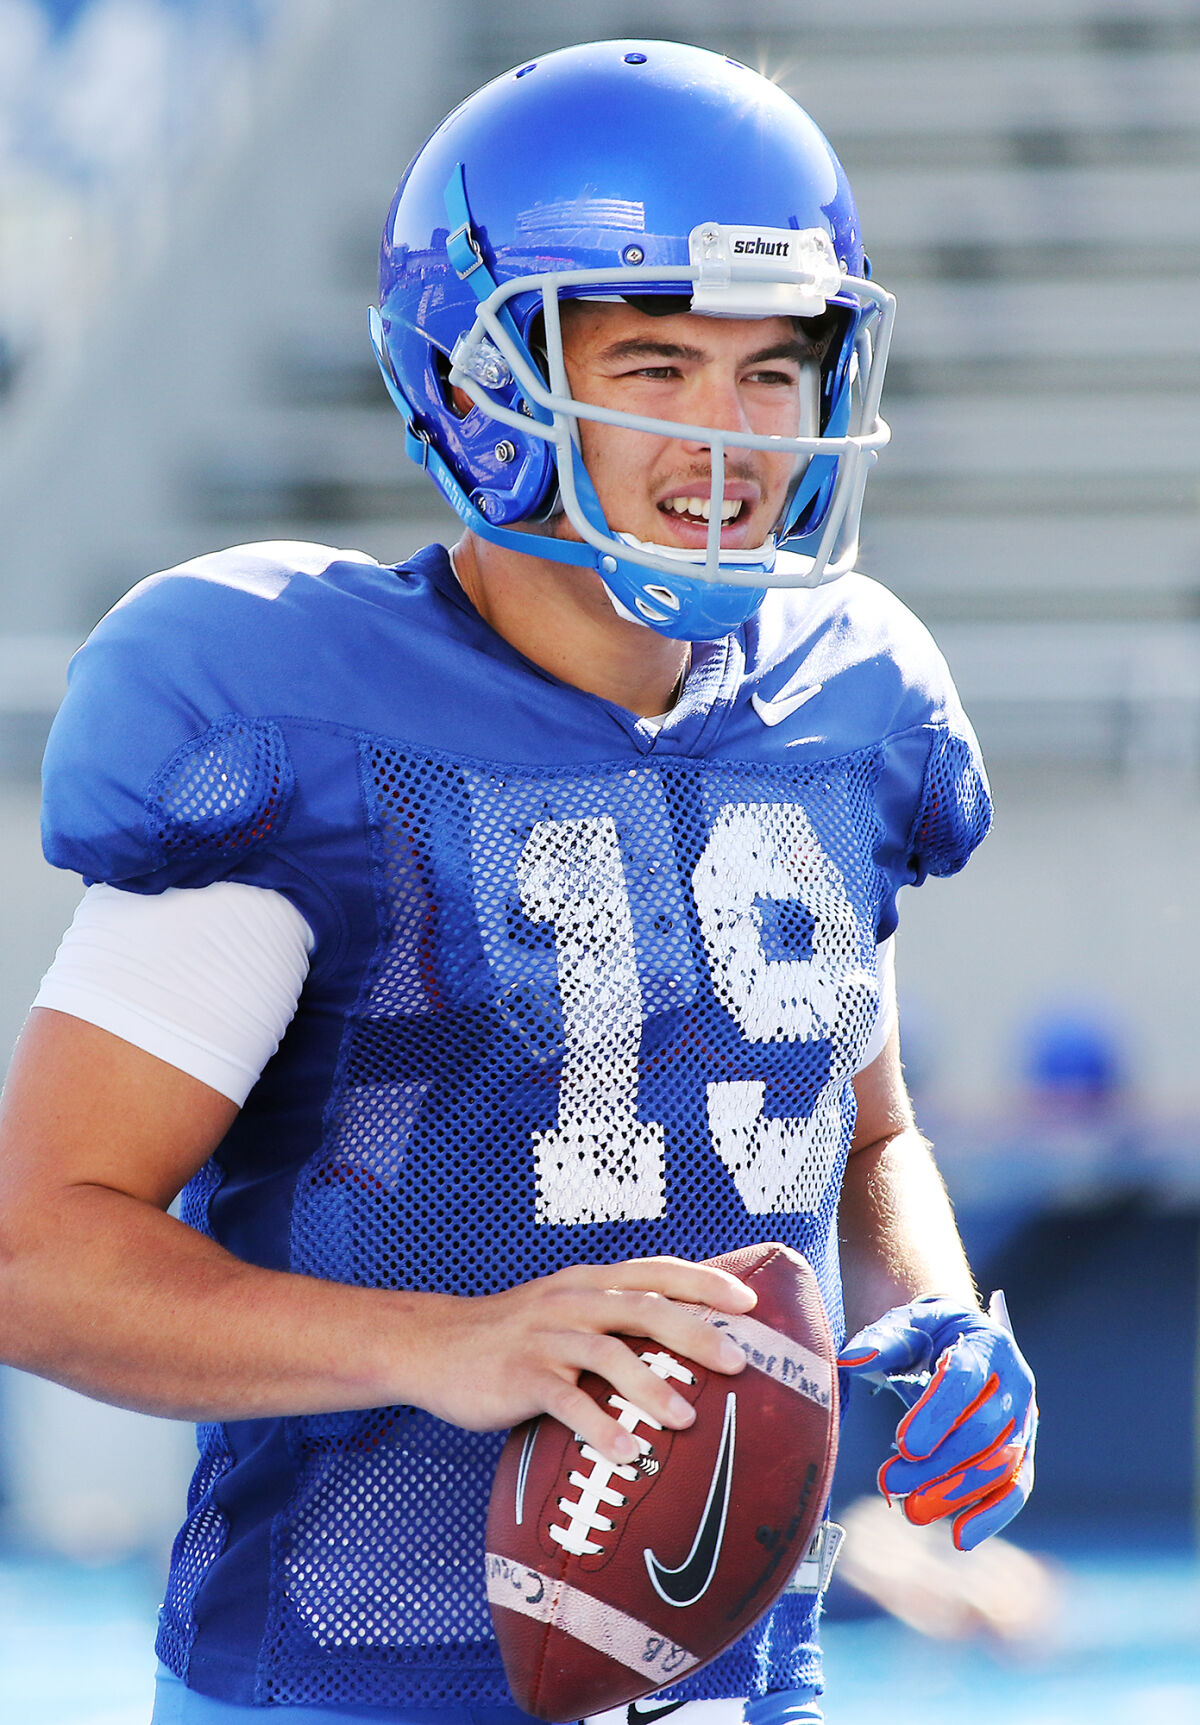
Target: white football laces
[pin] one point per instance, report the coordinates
(585, 1516)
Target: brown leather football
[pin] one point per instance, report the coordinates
(607, 1582)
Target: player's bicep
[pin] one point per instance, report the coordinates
(84, 1107)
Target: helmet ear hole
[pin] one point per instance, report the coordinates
(535, 341)
(456, 401)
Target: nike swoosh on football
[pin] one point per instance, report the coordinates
(773, 712)
(523, 1470)
(692, 1579)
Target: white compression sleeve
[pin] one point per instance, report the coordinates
(205, 978)
(885, 1017)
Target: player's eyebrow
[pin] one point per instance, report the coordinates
(794, 348)
(647, 347)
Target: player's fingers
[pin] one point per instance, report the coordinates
(979, 1385)
(962, 1391)
(691, 1284)
(890, 1344)
(982, 1520)
(579, 1413)
(651, 1390)
(681, 1329)
(997, 1510)
(935, 1496)
(901, 1477)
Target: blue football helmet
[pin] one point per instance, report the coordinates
(640, 170)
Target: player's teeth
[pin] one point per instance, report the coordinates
(701, 507)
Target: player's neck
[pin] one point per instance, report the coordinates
(562, 619)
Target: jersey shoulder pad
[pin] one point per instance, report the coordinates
(162, 768)
(886, 686)
(931, 749)
(859, 640)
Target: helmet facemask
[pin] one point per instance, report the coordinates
(492, 352)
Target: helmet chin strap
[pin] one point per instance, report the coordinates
(750, 557)
(706, 611)
(681, 606)
(730, 600)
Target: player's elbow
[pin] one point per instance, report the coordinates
(17, 1270)
(39, 1268)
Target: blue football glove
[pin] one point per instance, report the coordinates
(966, 1443)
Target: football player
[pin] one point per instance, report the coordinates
(480, 943)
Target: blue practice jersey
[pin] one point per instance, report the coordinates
(581, 990)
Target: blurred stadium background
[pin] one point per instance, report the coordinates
(190, 197)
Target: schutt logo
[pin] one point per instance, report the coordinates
(763, 248)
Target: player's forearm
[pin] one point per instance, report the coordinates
(101, 1289)
(118, 1300)
(114, 1298)
(897, 1231)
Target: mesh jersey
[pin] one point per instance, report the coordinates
(585, 1011)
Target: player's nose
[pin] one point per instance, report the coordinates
(716, 401)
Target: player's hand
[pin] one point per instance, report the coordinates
(495, 1360)
(966, 1443)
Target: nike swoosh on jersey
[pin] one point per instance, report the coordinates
(692, 1579)
(642, 1715)
(774, 711)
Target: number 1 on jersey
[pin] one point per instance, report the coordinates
(600, 1162)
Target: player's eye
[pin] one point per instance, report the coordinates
(774, 379)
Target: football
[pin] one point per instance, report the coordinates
(605, 1582)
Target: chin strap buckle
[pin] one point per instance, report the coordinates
(462, 248)
(416, 445)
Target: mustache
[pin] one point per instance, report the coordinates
(736, 471)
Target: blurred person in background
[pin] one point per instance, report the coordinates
(479, 943)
